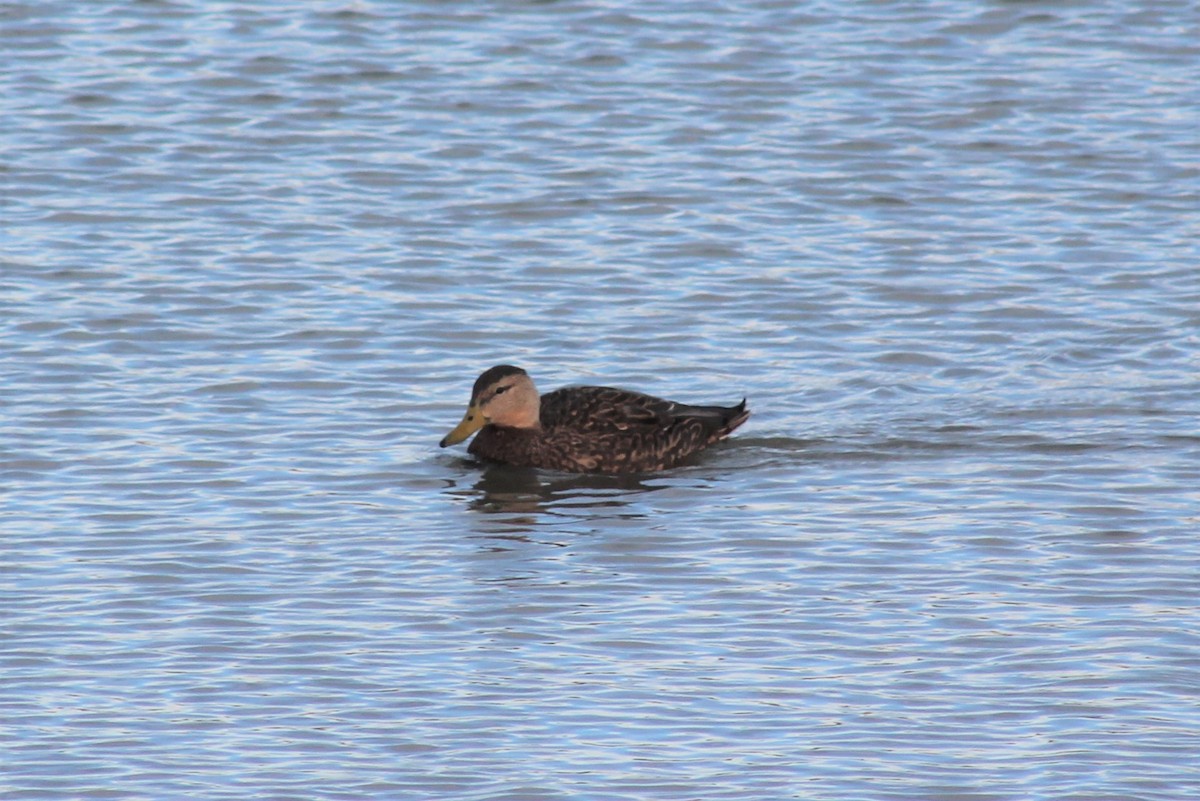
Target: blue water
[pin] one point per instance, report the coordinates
(253, 258)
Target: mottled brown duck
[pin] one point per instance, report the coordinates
(585, 429)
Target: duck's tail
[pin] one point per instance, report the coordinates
(734, 417)
(720, 421)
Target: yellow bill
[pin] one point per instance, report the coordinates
(472, 421)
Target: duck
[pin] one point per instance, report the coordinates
(585, 429)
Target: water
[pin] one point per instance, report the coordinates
(254, 257)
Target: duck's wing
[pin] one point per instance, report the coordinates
(602, 410)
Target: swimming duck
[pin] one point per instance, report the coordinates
(585, 429)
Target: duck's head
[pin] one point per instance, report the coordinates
(504, 396)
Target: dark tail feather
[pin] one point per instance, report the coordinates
(734, 417)
(719, 420)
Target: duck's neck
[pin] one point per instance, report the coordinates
(529, 419)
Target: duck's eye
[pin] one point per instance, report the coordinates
(501, 390)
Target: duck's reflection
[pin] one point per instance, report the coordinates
(537, 493)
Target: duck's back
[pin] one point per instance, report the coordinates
(610, 430)
(600, 410)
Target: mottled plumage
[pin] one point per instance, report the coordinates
(585, 429)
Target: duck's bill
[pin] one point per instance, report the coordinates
(472, 421)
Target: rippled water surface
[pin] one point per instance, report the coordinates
(254, 255)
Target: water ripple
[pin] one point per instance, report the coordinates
(255, 257)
